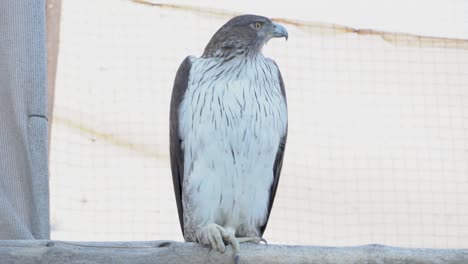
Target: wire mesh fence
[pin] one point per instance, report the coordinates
(378, 129)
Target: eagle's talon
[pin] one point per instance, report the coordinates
(236, 259)
(215, 238)
(255, 240)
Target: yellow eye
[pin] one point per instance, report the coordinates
(258, 25)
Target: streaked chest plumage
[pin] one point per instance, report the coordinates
(232, 119)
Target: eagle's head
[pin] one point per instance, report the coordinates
(242, 36)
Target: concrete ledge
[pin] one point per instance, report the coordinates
(54, 252)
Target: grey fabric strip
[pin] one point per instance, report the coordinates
(24, 192)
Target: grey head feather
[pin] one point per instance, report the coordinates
(243, 36)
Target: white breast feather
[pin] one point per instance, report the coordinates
(231, 128)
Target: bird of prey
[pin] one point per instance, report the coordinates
(228, 129)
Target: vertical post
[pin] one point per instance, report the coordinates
(24, 190)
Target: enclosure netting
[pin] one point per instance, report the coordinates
(378, 129)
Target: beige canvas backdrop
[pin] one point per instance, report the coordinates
(378, 133)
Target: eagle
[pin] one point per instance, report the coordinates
(228, 130)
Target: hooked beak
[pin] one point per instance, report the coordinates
(279, 31)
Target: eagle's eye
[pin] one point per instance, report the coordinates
(257, 25)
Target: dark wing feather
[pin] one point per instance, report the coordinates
(177, 154)
(278, 161)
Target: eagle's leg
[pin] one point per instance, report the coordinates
(211, 235)
(217, 235)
